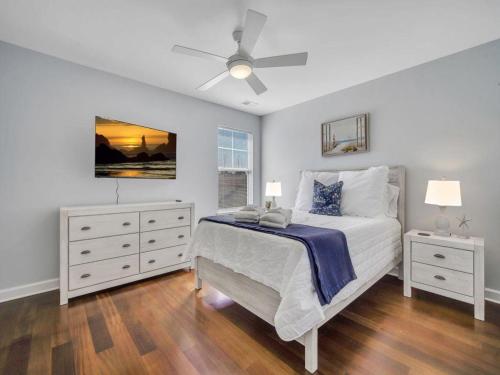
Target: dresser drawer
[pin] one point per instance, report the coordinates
(455, 259)
(159, 239)
(153, 220)
(455, 281)
(86, 251)
(105, 270)
(153, 260)
(85, 227)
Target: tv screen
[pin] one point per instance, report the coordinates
(125, 150)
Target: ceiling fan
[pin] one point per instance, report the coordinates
(241, 64)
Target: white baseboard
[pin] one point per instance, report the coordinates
(28, 290)
(492, 295)
(9, 294)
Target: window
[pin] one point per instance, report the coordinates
(235, 168)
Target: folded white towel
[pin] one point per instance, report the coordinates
(265, 223)
(247, 215)
(252, 221)
(252, 208)
(277, 218)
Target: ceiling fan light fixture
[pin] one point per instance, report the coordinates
(240, 69)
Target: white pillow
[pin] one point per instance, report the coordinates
(364, 192)
(304, 199)
(392, 194)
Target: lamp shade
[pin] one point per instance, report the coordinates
(273, 189)
(443, 193)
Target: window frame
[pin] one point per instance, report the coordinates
(248, 170)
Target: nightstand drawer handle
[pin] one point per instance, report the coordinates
(125, 266)
(126, 224)
(151, 241)
(151, 261)
(152, 221)
(86, 228)
(85, 275)
(440, 256)
(125, 245)
(181, 218)
(180, 236)
(85, 252)
(439, 277)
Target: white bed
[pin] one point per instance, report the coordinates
(271, 276)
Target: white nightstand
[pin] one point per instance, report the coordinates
(450, 266)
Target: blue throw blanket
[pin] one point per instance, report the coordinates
(331, 264)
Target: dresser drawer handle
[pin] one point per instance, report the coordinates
(179, 255)
(125, 245)
(126, 224)
(85, 228)
(85, 252)
(440, 256)
(180, 236)
(439, 277)
(125, 267)
(151, 241)
(85, 275)
(152, 221)
(151, 261)
(181, 218)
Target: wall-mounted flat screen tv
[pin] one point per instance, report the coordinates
(125, 150)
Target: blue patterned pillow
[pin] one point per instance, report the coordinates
(326, 199)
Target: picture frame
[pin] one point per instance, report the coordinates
(345, 136)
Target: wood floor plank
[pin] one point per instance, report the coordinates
(63, 359)
(18, 356)
(162, 326)
(100, 335)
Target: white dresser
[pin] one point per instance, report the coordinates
(106, 246)
(449, 266)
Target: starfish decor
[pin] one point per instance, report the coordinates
(463, 225)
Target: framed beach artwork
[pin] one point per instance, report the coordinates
(345, 136)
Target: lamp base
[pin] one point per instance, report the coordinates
(273, 203)
(442, 224)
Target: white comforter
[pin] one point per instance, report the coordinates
(283, 264)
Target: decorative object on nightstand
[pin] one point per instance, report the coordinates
(463, 226)
(449, 266)
(443, 193)
(273, 189)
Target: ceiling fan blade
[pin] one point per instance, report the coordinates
(254, 24)
(198, 53)
(293, 59)
(213, 81)
(256, 84)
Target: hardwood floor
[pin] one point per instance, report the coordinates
(161, 326)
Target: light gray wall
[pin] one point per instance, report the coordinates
(47, 109)
(438, 119)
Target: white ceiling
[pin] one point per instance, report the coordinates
(349, 41)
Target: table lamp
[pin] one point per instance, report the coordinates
(443, 193)
(273, 189)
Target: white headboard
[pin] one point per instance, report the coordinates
(396, 178)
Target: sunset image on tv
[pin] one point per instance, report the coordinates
(133, 151)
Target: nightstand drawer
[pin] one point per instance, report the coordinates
(455, 281)
(455, 259)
